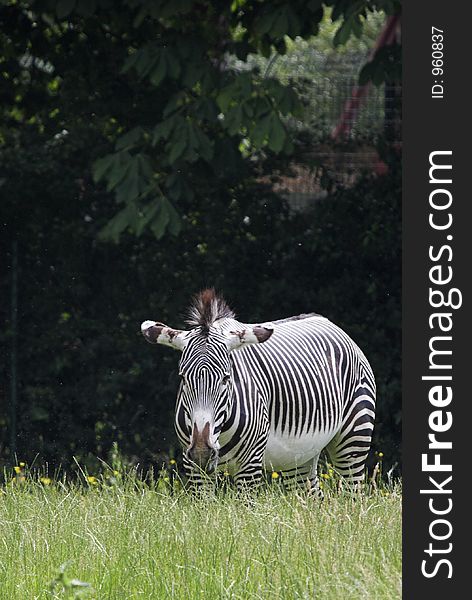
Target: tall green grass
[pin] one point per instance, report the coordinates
(130, 540)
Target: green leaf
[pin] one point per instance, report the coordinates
(143, 60)
(261, 131)
(119, 223)
(338, 8)
(119, 168)
(146, 216)
(129, 139)
(161, 219)
(193, 73)
(265, 47)
(234, 120)
(145, 166)
(248, 109)
(280, 26)
(205, 147)
(357, 26)
(163, 130)
(262, 107)
(177, 149)
(139, 18)
(101, 167)
(206, 109)
(192, 136)
(277, 134)
(129, 187)
(294, 23)
(175, 224)
(136, 181)
(64, 8)
(244, 84)
(178, 143)
(265, 22)
(130, 61)
(284, 97)
(173, 64)
(173, 105)
(159, 72)
(343, 33)
(226, 96)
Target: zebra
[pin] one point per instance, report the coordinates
(270, 396)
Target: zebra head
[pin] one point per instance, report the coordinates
(206, 390)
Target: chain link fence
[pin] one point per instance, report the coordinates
(328, 85)
(328, 96)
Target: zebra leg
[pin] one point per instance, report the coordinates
(314, 489)
(197, 479)
(303, 477)
(249, 475)
(349, 448)
(250, 458)
(348, 462)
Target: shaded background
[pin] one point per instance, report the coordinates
(112, 213)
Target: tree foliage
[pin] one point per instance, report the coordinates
(155, 76)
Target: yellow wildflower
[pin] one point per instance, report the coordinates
(275, 475)
(17, 469)
(22, 464)
(45, 480)
(381, 454)
(92, 480)
(226, 474)
(172, 462)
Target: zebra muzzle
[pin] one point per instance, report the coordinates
(201, 451)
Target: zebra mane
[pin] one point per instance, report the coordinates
(297, 318)
(206, 308)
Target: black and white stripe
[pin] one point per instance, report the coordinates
(274, 405)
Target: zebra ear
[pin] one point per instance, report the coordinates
(253, 335)
(158, 333)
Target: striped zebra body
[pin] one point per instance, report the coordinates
(278, 404)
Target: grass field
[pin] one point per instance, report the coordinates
(131, 540)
